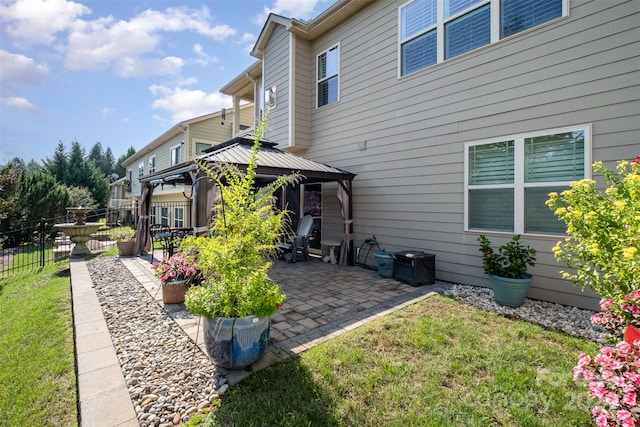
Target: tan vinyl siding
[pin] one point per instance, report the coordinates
(409, 191)
(247, 115)
(211, 130)
(276, 72)
(303, 93)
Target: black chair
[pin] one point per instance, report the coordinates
(161, 236)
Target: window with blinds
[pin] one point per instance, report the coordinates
(508, 181)
(426, 38)
(328, 76)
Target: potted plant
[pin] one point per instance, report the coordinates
(507, 270)
(124, 237)
(175, 273)
(237, 297)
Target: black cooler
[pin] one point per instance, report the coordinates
(414, 268)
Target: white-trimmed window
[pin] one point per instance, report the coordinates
(507, 180)
(201, 146)
(152, 164)
(164, 216)
(178, 217)
(328, 80)
(175, 155)
(432, 31)
(140, 168)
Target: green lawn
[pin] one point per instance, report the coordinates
(435, 363)
(37, 367)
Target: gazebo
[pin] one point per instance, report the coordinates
(272, 162)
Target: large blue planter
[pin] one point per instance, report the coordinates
(236, 342)
(508, 291)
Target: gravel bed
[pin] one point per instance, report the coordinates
(571, 320)
(169, 378)
(167, 375)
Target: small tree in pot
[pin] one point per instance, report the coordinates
(234, 260)
(507, 270)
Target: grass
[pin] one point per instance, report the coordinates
(435, 363)
(37, 367)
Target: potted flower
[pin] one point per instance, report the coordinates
(124, 237)
(175, 273)
(236, 296)
(507, 270)
(620, 317)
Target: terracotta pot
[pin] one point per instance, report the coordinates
(631, 334)
(173, 292)
(126, 247)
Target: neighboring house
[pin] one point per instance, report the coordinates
(171, 204)
(122, 209)
(458, 117)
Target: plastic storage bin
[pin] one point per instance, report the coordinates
(415, 268)
(384, 260)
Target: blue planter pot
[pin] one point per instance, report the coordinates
(235, 342)
(508, 291)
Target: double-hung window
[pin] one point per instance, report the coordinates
(432, 31)
(507, 180)
(178, 217)
(140, 168)
(175, 155)
(152, 164)
(328, 79)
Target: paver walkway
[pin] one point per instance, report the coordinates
(323, 301)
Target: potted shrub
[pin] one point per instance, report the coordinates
(507, 270)
(175, 273)
(236, 296)
(124, 237)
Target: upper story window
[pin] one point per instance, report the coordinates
(328, 76)
(201, 146)
(507, 180)
(175, 155)
(140, 168)
(428, 37)
(152, 164)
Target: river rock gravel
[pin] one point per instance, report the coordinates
(571, 320)
(168, 377)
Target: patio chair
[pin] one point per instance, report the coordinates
(160, 236)
(299, 242)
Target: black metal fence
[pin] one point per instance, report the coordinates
(37, 244)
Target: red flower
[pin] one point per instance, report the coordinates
(636, 160)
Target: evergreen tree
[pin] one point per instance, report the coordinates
(59, 165)
(9, 179)
(119, 169)
(40, 196)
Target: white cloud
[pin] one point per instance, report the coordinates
(19, 103)
(106, 111)
(203, 57)
(185, 104)
(17, 70)
(130, 46)
(33, 22)
(301, 9)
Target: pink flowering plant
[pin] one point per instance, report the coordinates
(617, 313)
(176, 267)
(614, 379)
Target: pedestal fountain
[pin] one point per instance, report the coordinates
(79, 231)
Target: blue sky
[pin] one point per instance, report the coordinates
(120, 72)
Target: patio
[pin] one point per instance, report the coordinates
(323, 301)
